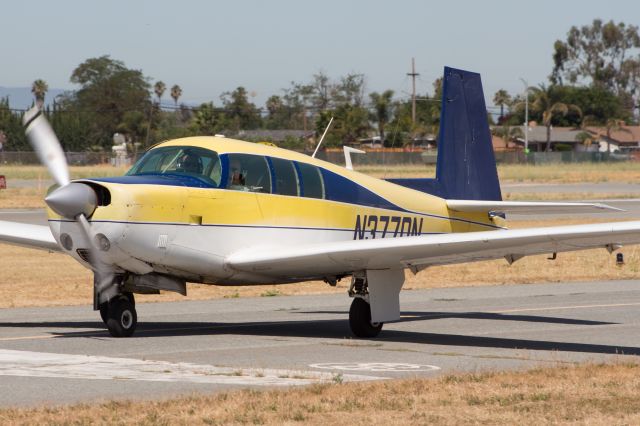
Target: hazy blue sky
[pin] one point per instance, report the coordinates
(208, 47)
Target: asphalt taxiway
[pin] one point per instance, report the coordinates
(64, 354)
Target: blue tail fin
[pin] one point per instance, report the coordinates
(466, 167)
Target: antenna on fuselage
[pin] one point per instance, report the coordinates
(322, 138)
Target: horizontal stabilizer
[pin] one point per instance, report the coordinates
(527, 207)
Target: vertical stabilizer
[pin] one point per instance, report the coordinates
(466, 166)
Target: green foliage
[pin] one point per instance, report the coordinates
(108, 90)
(350, 124)
(208, 120)
(382, 106)
(176, 92)
(240, 113)
(601, 54)
(39, 88)
(10, 125)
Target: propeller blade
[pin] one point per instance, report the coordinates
(46, 144)
(104, 280)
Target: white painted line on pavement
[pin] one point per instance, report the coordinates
(70, 366)
(375, 366)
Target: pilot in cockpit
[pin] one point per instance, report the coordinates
(189, 162)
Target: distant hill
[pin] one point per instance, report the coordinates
(22, 98)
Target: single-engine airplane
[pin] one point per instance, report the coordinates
(214, 210)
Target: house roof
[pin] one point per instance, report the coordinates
(625, 134)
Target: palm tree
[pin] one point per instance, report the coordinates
(176, 92)
(159, 88)
(39, 89)
(382, 103)
(544, 104)
(501, 98)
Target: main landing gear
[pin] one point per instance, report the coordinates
(360, 311)
(360, 319)
(119, 315)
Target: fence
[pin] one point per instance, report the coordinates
(73, 158)
(370, 159)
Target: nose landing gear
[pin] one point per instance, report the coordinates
(119, 315)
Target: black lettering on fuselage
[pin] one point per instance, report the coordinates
(359, 230)
(373, 226)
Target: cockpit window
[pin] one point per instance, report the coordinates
(191, 161)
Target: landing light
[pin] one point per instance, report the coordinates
(102, 242)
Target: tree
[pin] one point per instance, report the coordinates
(382, 107)
(241, 113)
(350, 90)
(545, 104)
(601, 54)
(159, 89)
(108, 89)
(501, 98)
(207, 120)
(176, 92)
(39, 89)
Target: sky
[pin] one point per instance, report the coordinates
(209, 47)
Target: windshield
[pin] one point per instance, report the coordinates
(180, 160)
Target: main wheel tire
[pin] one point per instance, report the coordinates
(122, 317)
(360, 319)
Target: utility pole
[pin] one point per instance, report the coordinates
(526, 115)
(413, 74)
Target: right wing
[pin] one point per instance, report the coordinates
(27, 235)
(344, 257)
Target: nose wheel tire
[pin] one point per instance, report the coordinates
(360, 319)
(122, 318)
(104, 307)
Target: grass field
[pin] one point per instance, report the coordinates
(593, 394)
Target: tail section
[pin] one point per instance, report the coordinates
(466, 166)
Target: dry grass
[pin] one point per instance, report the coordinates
(22, 198)
(587, 394)
(566, 196)
(13, 171)
(36, 278)
(628, 172)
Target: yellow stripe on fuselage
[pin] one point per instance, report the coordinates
(181, 205)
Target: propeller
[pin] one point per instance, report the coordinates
(71, 200)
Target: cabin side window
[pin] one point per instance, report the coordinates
(286, 179)
(312, 182)
(248, 173)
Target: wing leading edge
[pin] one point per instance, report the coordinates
(27, 235)
(421, 251)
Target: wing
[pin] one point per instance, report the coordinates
(27, 235)
(324, 259)
(527, 207)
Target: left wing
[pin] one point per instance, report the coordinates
(26, 235)
(324, 259)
